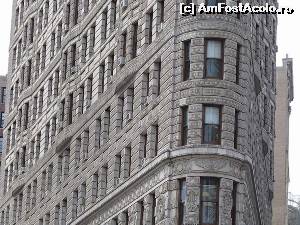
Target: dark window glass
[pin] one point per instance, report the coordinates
(134, 40)
(236, 129)
(184, 125)
(150, 18)
(212, 125)
(186, 60)
(234, 198)
(238, 53)
(182, 199)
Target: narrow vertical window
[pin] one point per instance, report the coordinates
(184, 125)
(186, 60)
(237, 68)
(158, 77)
(182, 200)
(92, 39)
(214, 59)
(76, 11)
(257, 40)
(134, 39)
(150, 26)
(95, 187)
(81, 99)
(162, 10)
(236, 129)
(75, 204)
(212, 125)
(144, 145)
(64, 208)
(265, 118)
(70, 114)
(209, 201)
(234, 203)
(142, 207)
(153, 210)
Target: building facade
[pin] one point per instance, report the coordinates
(126, 112)
(2, 109)
(285, 95)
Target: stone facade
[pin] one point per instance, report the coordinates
(285, 95)
(2, 109)
(96, 132)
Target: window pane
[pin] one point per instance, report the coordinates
(183, 190)
(210, 193)
(209, 213)
(213, 68)
(214, 49)
(211, 134)
(212, 115)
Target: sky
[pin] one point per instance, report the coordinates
(287, 41)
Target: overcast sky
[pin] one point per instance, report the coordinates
(288, 43)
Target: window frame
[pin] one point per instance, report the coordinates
(220, 107)
(222, 40)
(186, 61)
(217, 197)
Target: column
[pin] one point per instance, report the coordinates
(225, 201)
(193, 200)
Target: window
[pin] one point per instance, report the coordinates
(265, 118)
(124, 44)
(26, 116)
(75, 203)
(64, 208)
(150, 25)
(76, 11)
(212, 125)
(70, 113)
(107, 124)
(184, 125)
(234, 203)
(156, 138)
(117, 168)
(182, 199)
(143, 143)
(237, 68)
(186, 60)
(257, 40)
(158, 76)
(214, 59)
(92, 40)
(142, 207)
(3, 95)
(81, 99)
(73, 55)
(153, 210)
(162, 10)
(236, 129)
(2, 118)
(1, 144)
(95, 186)
(134, 39)
(104, 21)
(209, 202)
